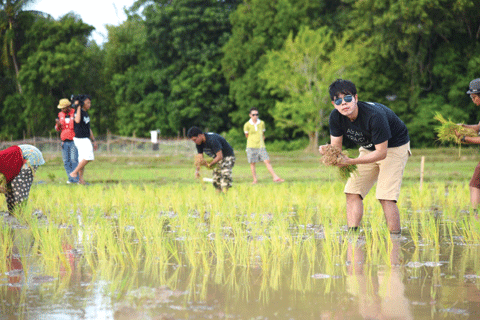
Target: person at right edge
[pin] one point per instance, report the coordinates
(474, 92)
(384, 150)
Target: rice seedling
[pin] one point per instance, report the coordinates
(447, 128)
(254, 242)
(332, 156)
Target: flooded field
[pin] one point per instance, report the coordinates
(282, 252)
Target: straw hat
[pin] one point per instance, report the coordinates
(63, 103)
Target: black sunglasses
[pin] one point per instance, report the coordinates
(348, 98)
(254, 114)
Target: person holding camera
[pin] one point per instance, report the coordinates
(65, 124)
(84, 139)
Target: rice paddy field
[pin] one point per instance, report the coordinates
(145, 240)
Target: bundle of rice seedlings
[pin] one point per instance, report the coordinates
(201, 162)
(446, 131)
(332, 156)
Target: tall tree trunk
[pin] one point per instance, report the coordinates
(312, 142)
(14, 59)
(14, 55)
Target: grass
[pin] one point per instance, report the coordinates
(442, 164)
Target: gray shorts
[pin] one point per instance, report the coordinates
(257, 155)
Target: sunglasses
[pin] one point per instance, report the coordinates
(348, 98)
(254, 114)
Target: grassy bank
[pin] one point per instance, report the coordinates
(441, 165)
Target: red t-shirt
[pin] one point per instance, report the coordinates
(66, 125)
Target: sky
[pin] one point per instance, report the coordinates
(96, 13)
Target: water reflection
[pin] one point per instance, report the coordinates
(340, 278)
(380, 295)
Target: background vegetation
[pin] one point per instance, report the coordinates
(179, 63)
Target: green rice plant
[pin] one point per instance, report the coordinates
(447, 128)
(176, 233)
(470, 229)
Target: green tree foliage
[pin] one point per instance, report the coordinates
(178, 82)
(128, 75)
(416, 49)
(11, 13)
(192, 62)
(301, 73)
(260, 26)
(55, 64)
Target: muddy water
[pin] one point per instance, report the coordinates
(403, 280)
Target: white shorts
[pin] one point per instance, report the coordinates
(85, 149)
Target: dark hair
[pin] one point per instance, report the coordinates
(253, 109)
(341, 86)
(84, 97)
(193, 132)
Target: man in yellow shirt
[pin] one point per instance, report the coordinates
(256, 151)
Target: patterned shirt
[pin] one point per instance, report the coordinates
(32, 155)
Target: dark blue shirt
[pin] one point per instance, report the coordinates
(374, 124)
(214, 143)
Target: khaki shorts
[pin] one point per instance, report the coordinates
(387, 173)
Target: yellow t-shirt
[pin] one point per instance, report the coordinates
(255, 133)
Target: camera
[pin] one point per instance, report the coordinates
(78, 98)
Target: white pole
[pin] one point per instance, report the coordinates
(422, 167)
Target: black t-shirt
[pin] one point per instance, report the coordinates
(214, 143)
(374, 124)
(82, 129)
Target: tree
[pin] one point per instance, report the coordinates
(56, 63)
(179, 81)
(417, 49)
(300, 73)
(10, 13)
(257, 27)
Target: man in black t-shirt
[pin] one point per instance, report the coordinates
(215, 146)
(83, 136)
(384, 150)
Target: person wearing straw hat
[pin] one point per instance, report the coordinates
(65, 125)
(474, 92)
(18, 165)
